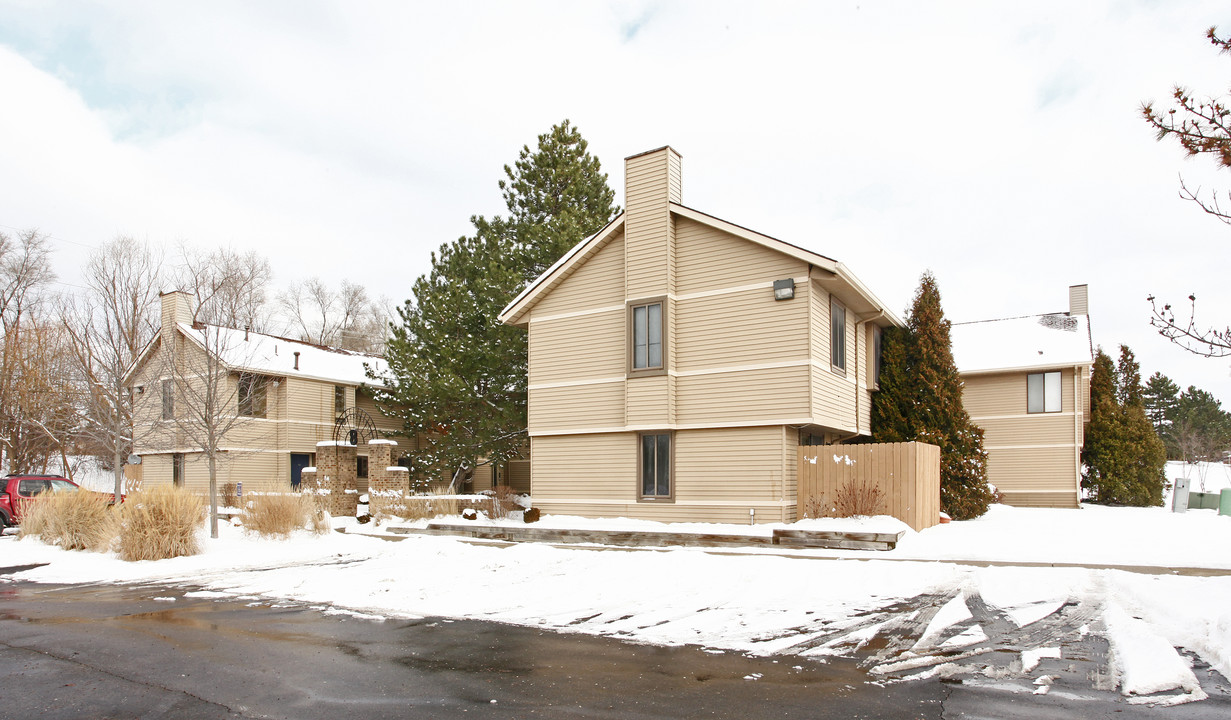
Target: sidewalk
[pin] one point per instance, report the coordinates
(731, 545)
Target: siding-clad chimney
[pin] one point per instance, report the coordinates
(176, 308)
(1078, 300)
(651, 183)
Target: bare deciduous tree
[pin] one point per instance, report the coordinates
(229, 288)
(25, 273)
(107, 327)
(346, 318)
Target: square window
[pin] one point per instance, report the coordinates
(1043, 392)
(252, 390)
(655, 455)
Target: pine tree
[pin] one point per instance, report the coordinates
(457, 376)
(892, 404)
(921, 399)
(1161, 398)
(1123, 456)
(556, 196)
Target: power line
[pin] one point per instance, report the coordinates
(53, 237)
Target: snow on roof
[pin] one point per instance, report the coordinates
(1032, 341)
(273, 355)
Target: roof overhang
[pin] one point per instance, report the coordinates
(831, 274)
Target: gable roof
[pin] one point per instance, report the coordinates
(514, 313)
(1022, 343)
(272, 355)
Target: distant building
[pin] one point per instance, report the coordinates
(287, 394)
(1028, 386)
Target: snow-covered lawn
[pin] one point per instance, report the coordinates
(763, 603)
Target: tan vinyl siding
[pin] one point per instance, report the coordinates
(1031, 456)
(577, 407)
(833, 394)
(579, 348)
(731, 464)
(596, 283)
(748, 396)
(1005, 393)
(719, 475)
(649, 231)
(595, 466)
(740, 328)
(709, 259)
(647, 401)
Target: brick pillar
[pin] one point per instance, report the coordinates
(386, 484)
(335, 467)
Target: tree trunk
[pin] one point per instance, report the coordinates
(213, 497)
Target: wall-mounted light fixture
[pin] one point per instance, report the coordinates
(784, 289)
(140, 389)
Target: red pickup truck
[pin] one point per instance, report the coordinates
(17, 490)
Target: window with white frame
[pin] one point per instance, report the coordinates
(1043, 392)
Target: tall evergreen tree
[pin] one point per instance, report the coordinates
(457, 376)
(1123, 456)
(921, 399)
(1161, 398)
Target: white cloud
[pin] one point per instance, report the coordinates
(998, 145)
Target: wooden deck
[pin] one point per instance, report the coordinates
(634, 538)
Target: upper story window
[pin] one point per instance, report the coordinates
(1043, 392)
(168, 399)
(339, 399)
(877, 336)
(837, 335)
(646, 323)
(252, 390)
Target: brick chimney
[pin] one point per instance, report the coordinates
(1079, 303)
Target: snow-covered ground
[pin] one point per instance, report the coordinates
(1202, 477)
(762, 603)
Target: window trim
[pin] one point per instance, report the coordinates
(839, 369)
(168, 398)
(670, 496)
(257, 388)
(876, 347)
(1059, 392)
(339, 393)
(632, 305)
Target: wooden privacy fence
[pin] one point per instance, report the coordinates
(907, 474)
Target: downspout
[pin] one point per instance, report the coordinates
(867, 384)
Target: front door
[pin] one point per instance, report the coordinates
(299, 461)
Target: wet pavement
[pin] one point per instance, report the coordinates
(106, 651)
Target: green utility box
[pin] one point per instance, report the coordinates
(1224, 502)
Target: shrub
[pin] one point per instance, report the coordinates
(160, 522)
(499, 502)
(80, 520)
(228, 497)
(280, 514)
(853, 499)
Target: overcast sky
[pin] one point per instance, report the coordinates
(998, 144)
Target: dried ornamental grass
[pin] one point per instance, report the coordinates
(79, 520)
(159, 522)
(424, 507)
(280, 514)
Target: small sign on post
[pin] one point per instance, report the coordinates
(239, 490)
(1179, 495)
